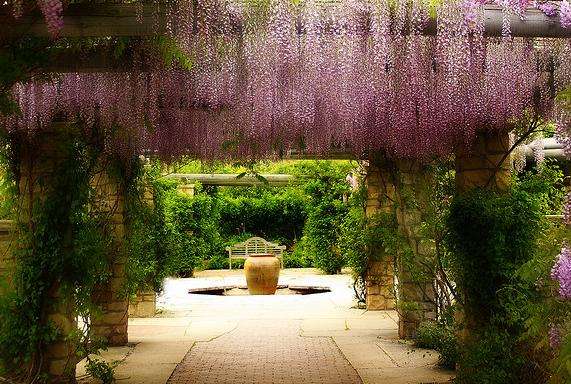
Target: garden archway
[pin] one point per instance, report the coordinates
(317, 81)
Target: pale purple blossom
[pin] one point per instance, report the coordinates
(565, 13)
(547, 7)
(53, 15)
(314, 78)
(537, 148)
(561, 272)
(554, 337)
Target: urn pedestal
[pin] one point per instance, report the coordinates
(262, 273)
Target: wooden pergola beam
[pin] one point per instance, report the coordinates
(96, 61)
(222, 179)
(91, 20)
(121, 20)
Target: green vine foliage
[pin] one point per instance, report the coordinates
(195, 222)
(492, 232)
(364, 239)
(326, 213)
(146, 247)
(491, 236)
(63, 252)
(545, 310)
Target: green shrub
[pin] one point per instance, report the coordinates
(148, 241)
(321, 232)
(491, 236)
(271, 213)
(442, 338)
(193, 221)
(297, 257)
(326, 188)
(492, 357)
(354, 242)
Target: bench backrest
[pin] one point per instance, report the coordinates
(255, 245)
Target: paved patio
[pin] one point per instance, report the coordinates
(320, 338)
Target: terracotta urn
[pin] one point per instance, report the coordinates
(262, 273)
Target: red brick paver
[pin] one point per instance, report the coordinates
(265, 352)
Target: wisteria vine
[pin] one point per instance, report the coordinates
(353, 76)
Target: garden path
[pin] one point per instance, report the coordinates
(320, 338)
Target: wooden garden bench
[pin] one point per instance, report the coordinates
(252, 246)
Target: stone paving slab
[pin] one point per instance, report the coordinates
(319, 338)
(264, 352)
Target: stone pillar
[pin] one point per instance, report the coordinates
(144, 305)
(40, 159)
(112, 323)
(380, 276)
(7, 241)
(60, 356)
(484, 165)
(416, 295)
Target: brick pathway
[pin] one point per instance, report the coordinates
(265, 352)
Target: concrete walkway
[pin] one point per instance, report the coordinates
(319, 338)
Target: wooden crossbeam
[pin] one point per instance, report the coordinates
(91, 20)
(103, 20)
(232, 179)
(98, 60)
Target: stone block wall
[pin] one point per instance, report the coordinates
(415, 294)
(39, 160)
(486, 164)
(112, 324)
(144, 305)
(60, 355)
(380, 275)
(7, 242)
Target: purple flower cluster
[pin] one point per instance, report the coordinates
(322, 78)
(565, 13)
(561, 272)
(554, 337)
(53, 14)
(547, 7)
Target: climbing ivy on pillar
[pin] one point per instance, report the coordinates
(485, 164)
(58, 258)
(111, 323)
(486, 167)
(7, 241)
(380, 201)
(47, 235)
(415, 275)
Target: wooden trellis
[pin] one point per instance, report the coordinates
(97, 20)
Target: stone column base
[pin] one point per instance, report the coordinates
(145, 305)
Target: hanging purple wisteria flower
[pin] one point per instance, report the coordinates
(554, 337)
(565, 14)
(547, 7)
(561, 272)
(53, 14)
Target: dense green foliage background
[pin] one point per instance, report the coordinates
(499, 249)
(191, 232)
